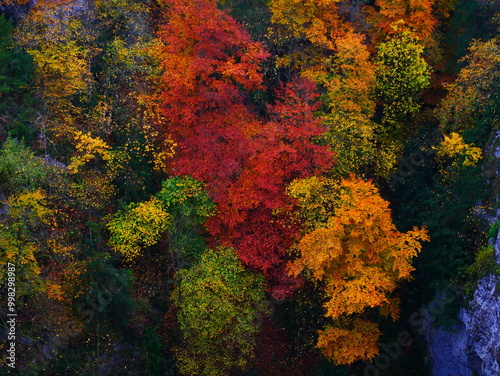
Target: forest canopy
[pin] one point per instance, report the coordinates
(240, 187)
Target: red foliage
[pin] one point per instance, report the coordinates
(256, 218)
(209, 63)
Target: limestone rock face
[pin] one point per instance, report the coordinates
(448, 352)
(474, 347)
(482, 324)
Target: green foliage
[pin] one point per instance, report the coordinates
(466, 24)
(493, 230)
(19, 240)
(20, 169)
(484, 264)
(217, 302)
(181, 207)
(16, 80)
(186, 200)
(139, 225)
(152, 352)
(96, 75)
(318, 197)
(349, 104)
(402, 75)
(254, 14)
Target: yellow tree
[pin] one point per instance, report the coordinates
(360, 257)
(473, 95)
(332, 53)
(20, 239)
(402, 76)
(348, 81)
(462, 154)
(59, 43)
(320, 21)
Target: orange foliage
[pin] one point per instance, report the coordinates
(320, 21)
(349, 345)
(361, 256)
(416, 15)
(349, 78)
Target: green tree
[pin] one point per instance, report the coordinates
(180, 208)
(186, 200)
(402, 75)
(16, 78)
(217, 302)
(20, 169)
(138, 226)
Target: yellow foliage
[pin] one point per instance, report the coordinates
(93, 191)
(165, 152)
(140, 226)
(402, 75)
(318, 196)
(116, 161)
(20, 238)
(349, 77)
(59, 42)
(454, 147)
(470, 95)
(352, 137)
(348, 82)
(57, 244)
(391, 308)
(87, 148)
(32, 202)
(317, 20)
(54, 291)
(94, 188)
(62, 69)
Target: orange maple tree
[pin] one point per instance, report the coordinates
(360, 256)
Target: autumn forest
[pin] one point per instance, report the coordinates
(243, 187)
